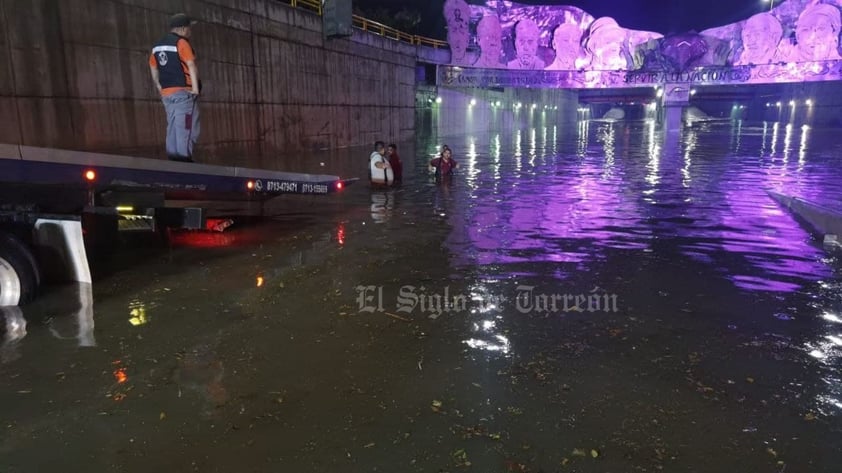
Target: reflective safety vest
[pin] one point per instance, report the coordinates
(171, 70)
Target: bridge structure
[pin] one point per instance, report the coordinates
(671, 91)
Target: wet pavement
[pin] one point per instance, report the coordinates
(615, 302)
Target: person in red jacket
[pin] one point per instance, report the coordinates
(444, 165)
(395, 162)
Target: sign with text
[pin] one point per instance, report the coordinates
(454, 76)
(270, 186)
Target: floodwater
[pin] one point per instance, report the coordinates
(616, 302)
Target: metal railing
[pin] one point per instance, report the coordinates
(311, 5)
(370, 26)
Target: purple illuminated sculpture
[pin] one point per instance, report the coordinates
(817, 34)
(490, 39)
(457, 14)
(567, 40)
(761, 35)
(798, 40)
(526, 46)
(608, 45)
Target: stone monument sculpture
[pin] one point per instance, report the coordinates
(490, 39)
(458, 15)
(761, 35)
(567, 41)
(817, 34)
(607, 45)
(566, 38)
(526, 46)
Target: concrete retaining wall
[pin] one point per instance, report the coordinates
(74, 74)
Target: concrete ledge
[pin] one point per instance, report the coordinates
(823, 220)
(9, 151)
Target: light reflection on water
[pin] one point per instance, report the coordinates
(619, 193)
(626, 187)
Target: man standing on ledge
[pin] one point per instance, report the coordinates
(173, 67)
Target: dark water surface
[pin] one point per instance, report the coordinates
(618, 302)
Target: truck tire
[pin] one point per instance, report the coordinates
(19, 273)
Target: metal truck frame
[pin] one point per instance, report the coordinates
(54, 203)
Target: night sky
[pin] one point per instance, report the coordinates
(662, 16)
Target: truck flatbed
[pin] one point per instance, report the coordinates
(26, 167)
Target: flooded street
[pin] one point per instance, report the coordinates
(587, 299)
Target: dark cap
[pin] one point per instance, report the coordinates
(180, 20)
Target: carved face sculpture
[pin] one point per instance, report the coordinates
(457, 15)
(489, 37)
(526, 41)
(566, 40)
(817, 33)
(606, 44)
(761, 35)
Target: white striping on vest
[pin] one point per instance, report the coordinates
(169, 49)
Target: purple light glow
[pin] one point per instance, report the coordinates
(575, 50)
(635, 195)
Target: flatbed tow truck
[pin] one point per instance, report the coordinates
(54, 203)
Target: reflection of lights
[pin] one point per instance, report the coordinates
(836, 340)
(832, 318)
(787, 141)
(124, 208)
(260, 281)
(503, 345)
(829, 400)
(120, 375)
(775, 130)
(138, 316)
(533, 145)
(802, 149)
(488, 325)
(340, 234)
(818, 354)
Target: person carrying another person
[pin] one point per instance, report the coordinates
(395, 162)
(380, 172)
(445, 164)
(172, 65)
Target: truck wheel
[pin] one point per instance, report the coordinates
(19, 274)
